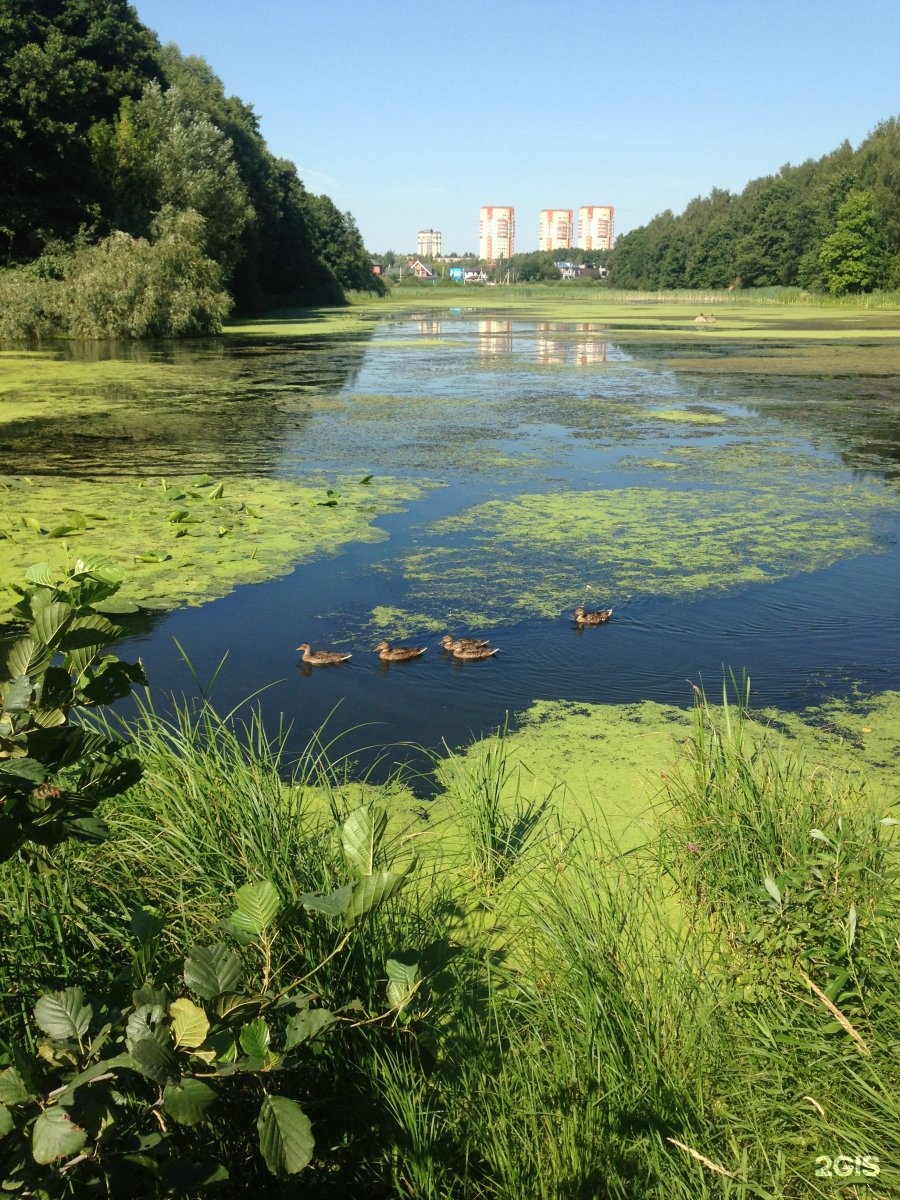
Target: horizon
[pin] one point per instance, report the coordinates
(407, 117)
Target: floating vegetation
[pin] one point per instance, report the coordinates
(692, 416)
(605, 765)
(526, 555)
(183, 543)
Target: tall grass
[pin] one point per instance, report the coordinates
(713, 1015)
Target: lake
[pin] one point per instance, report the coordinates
(734, 502)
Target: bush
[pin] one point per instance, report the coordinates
(121, 287)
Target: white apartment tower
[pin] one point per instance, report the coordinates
(595, 226)
(428, 243)
(497, 233)
(555, 230)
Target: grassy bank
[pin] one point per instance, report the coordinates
(538, 1011)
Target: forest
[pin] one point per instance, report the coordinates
(831, 225)
(139, 199)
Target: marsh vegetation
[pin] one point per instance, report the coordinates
(614, 935)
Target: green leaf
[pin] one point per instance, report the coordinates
(255, 1038)
(20, 695)
(373, 891)
(772, 888)
(285, 1136)
(27, 769)
(211, 970)
(305, 1025)
(156, 997)
(257, 905)
(28, 657)
(64, 1014)
(190, 1024)
(361, 836)
(156, 1061)
(52, 622)
(144, 1022)
(115, 606)
(100, 569)
(851, 925)
(42, 574)
(12, 1087)
(187, 1102)
(403, 978)
(146, 922)
(55, 1135)
(7, 1125)
(333, 905)
(229, 1004)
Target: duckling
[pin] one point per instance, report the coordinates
(599, 617)
(474, 653)
(398, 653)
(453, 644)
(322, 658)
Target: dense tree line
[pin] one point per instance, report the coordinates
(114, 150)
(829, 225)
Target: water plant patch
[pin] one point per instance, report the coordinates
(184, 542)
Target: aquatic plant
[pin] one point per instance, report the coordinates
(55, 769)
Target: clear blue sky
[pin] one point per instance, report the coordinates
(412, 115)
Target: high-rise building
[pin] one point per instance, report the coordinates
(595, 226)
(555, 230)
(428, 243)
(497, 233)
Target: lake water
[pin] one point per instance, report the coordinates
(736, 505)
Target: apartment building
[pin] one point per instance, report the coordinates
(595, 226)
(555, 229)
(496, 232)
(428, 243)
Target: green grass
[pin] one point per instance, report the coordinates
(592, 1020)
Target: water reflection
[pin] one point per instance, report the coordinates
(555, 344)
(481, 417)
(221, 407)
(494, 337)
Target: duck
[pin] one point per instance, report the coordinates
(453, 644)
(322, 658)
(398, 653)
(599, 617)
(474, 653)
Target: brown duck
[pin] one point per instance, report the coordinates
(398, 653)
(322, 658)
(473, 653)
(453, 644)
(599, 617)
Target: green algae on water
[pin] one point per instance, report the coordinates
(606, 766)
(184, 543)
(533, 554)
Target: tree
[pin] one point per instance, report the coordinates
(66, 64)
(338, 242)
(160, 152)
(853, 257)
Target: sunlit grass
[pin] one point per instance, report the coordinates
(698, 1016)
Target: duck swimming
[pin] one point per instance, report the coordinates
(322, 658)
(473, 653)
(398, 653)
(453, 644)
(599, 617)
